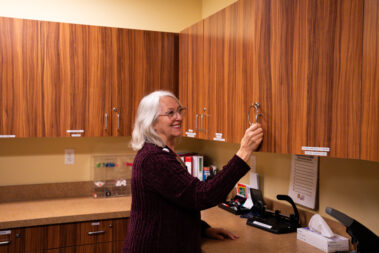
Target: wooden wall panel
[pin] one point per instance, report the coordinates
(20, 68)
(370, 83)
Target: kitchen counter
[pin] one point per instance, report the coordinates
(43, 212)
(251, 239)
(55, 211)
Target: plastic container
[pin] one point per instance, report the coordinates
(112, 175)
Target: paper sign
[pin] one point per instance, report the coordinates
(303, 182)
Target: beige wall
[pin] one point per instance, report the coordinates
(162, 15)
(210, 7)
(351, 186)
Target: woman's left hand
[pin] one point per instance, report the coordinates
(219, 234)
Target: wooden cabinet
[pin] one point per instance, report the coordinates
(61, 79)
(302, 62)
(20, 68)
(370, 83)
(102, 74)
(94, 236)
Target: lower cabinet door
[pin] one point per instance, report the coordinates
(89, 248)
(117, 246)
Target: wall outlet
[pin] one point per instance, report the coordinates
(69, 156)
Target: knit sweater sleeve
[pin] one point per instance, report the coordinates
(166, 176)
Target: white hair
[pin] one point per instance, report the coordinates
(147, 113)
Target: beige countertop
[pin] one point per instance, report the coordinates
(251, 239)
(43, 212)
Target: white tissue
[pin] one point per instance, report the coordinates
(318, 224)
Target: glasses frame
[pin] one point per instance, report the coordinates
(174, 113)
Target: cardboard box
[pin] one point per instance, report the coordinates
(336, 243)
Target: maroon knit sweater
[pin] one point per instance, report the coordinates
(166, 201)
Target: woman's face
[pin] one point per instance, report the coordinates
(169, 123)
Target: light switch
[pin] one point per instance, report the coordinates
(69, 157)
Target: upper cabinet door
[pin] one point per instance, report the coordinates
(220, 74)
(332, 64)
(268, 63)
(146, 61)
(20, 80)
(64, 80)
(370, 83)
(100, 62)
(193, 92)
(254, 65)
(75, 79)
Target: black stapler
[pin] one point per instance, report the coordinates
(235, 205)
(366, 240)
(270, 221)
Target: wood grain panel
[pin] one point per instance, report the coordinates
(62, 235)
(334, 68)
(346, 102)
(77, 64)
(65, 86)
(99, 74)
(286, 88)
(83, 236)
(254, 62)
(20, 68)
(193, 91)
(184, 37)
(119, 229)
(147, 61)
(90, 248)
(36, 238)
(370, 83)
(219, 70)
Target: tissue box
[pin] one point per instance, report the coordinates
(336, 243)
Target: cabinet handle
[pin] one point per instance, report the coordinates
(115, 109)
(96, 232)
(201, 121)
(197, 116)
(5, 243)
(256, 106)
(106, 121)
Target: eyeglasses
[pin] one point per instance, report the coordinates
(172, 113)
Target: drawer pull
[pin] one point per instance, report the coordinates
(96, 232)
(5, 243)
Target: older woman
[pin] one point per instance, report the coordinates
(166, 199)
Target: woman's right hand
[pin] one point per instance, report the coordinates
(250, 141)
